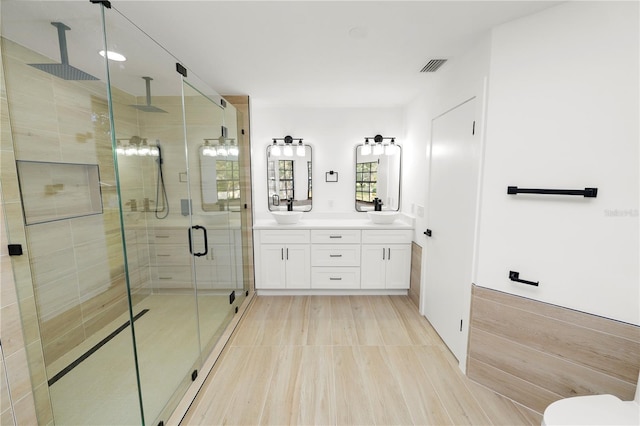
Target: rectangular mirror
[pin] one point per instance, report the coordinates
(289, 182)
(220, 175)
(378, 177)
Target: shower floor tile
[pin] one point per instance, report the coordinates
(103, 389)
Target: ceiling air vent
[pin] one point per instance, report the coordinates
(433, 65)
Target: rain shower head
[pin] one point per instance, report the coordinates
(63, 70)
(148, 107)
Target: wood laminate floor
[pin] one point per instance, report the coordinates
(361, 360)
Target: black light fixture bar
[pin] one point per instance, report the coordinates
(287, 140)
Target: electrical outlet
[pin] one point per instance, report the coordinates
(420, 211)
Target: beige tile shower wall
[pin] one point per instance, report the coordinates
(536, 353)
(24, 395)
(244, 141)
(77, 264)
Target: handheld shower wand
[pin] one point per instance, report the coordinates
(161, 189)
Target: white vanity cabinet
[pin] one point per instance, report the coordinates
(285, 259)
(170, 259)
(335, 259)
(386, 259)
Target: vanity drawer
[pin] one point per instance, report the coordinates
(387, 236)
(170, 254)
(335, 278)
(329, 236)
(298, 236)
(338, 255)
(171, 276)
(169, 236)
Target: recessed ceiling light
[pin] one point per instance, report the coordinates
(114, 56)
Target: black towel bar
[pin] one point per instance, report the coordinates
(587, 192)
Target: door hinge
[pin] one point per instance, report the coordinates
(194, 375)
(181, 69)
(473, 129)
(232, 297)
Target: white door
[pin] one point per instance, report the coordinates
(455, 153)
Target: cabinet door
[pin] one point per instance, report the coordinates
(398, 262)
(221, 263)
(298, 265)
(373, 266)
(272, 269)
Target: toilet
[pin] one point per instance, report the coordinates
(593, 410)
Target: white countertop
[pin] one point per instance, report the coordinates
(331, 224)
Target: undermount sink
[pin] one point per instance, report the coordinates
(286, 217)
(382, 218)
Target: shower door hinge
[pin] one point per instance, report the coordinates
(232, 296)
(460, 325)
(194, 375)
(161, 423)
(105, 3)
(181, 70)
(473, 129)
(15, 249)
(236, 309)
(223, 103)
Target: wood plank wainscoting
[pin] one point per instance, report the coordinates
(416, 273)
(536, 353)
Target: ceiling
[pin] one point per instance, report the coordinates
(307, 53)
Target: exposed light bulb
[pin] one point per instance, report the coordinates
(390, 149)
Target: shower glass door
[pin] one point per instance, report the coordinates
(162, 241)
(215, 202)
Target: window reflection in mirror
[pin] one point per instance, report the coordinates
(220, 175)
(378, 177)
(289, 178)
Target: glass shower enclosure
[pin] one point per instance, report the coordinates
(127, 204)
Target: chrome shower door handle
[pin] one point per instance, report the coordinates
(206, 242)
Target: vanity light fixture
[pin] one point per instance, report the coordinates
(366, 148)
(208, 150)
(136, 146)
(379, 147)
(222, 147)
(391, 148)
(300, 150)
(287, 147)
(275, 149)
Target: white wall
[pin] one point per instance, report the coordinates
(462, 78)
(333, 134)
(563, 113)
